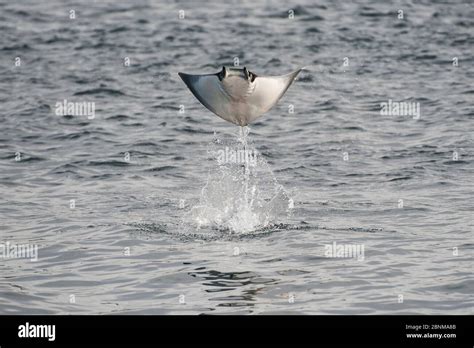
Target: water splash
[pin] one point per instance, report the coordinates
(241, 194)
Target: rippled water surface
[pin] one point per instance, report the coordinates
(132, 213)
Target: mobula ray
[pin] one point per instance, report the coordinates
(238, 95)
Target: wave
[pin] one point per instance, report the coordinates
(102, 91)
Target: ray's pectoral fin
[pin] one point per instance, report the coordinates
(207, 89)
(269, 90)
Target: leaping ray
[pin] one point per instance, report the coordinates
(238, 95)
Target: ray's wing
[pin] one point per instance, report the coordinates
(207, 89)
(268, 90)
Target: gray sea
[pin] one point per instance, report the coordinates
(359, 201)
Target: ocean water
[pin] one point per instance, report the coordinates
(133, 211)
